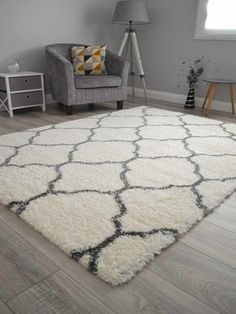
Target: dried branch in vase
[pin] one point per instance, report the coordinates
(194, 73)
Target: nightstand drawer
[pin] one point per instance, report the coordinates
(25, 83)
(27, 99)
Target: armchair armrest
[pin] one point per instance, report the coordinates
(116, 65)
(61, 76)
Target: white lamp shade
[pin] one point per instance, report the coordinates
(134, 11)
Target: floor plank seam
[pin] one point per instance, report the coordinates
(90, 292)
(41, 301)
(4, 302)
(219, 226)
(34, 285)
(7, 306)
(22, 237)
(208, 255)
(189, 294)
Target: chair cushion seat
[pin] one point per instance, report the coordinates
(99, 81)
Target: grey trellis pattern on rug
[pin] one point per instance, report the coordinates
(115, 189)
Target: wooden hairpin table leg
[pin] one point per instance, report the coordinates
(231, 90)
(207, 96)
(211, 95)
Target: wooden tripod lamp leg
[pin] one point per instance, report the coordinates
(231, 90)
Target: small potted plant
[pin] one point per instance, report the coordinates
(193, 76)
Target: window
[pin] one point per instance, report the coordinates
(216, 19)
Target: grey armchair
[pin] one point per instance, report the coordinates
(70, 89)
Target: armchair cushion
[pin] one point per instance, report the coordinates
(89, 60)
(99, 81)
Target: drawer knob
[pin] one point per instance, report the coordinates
(26, 80)
(27, 96)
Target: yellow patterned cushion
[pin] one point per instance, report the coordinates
(89, 60)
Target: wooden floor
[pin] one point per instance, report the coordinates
(195, 275)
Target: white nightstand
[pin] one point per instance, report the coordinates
(21, 90)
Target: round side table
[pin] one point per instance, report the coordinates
(211, 91)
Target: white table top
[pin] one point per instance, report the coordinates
(18, 74)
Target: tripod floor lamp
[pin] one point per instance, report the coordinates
(132, 12)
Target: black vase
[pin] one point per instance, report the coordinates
(190, 101)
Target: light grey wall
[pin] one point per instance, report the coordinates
(169, 40)
(26, 26)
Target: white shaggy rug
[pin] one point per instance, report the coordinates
(115, 189)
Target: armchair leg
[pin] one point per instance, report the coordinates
(91, 106)
(120, 105)
(60, 105)
(69, 110)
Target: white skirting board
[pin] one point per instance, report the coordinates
(180, 99)
(169, 97)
